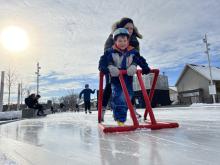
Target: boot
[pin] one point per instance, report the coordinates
(120, 123)
(103, 114)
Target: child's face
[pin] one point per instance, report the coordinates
(122, 42)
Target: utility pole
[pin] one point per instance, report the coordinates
(21, 93)
(19, 96)
(2, 90)
(212, 86)
(38, 76)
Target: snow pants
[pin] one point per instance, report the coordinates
(119, 104)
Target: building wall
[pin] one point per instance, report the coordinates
(192, 80)
(160, 98)
(162, 82)
(161, 94)
(217, 83)
(173, 95)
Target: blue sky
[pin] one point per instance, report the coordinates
(67, 38)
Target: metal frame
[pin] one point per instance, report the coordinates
(152, 124)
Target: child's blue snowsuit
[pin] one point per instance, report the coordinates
(122, 61)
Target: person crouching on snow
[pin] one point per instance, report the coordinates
(122, 57)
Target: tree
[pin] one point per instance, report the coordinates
(69, 100)
(10, 80)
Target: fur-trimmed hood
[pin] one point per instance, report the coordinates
(135, 32)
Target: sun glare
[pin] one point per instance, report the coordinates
(14, 39)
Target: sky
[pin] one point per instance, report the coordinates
(67, 38)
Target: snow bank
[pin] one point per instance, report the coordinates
(10, 115)
(6, 161)
(205, 105)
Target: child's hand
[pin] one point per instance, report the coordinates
(114, 71)
(131, 70)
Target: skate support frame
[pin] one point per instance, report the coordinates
(152, 124)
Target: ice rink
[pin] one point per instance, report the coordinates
(75, 138)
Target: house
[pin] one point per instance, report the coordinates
(161, 93)
(173, 94)
(193, 84)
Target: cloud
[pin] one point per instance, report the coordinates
(67, 37)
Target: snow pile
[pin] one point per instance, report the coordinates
(10, 115)
(205, 105)
(4, 160)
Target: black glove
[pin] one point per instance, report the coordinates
(146, 70)
(105, 71)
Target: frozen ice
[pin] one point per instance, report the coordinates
(75, 138)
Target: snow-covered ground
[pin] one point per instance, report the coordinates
(205, 105)
(6, 161)
(10, 115)
(75, 138)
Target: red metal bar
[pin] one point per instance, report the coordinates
(127, 97)
(156, 73)
(101, 75)
(159, 125)
(146, 99)
(111, 129)
(152, 125)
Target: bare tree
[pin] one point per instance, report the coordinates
(69, 100)
(55, 102)
(10, 80)
(25, 91)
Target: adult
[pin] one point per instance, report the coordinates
(32, 102)
(128, 24)
(133, 41)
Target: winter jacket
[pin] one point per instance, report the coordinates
(86, 93)
(31, 102)
(113, 56)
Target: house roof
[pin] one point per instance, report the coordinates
(173, 88)
(203, 71)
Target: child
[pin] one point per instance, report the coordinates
(128, 24)
(86, 96)
(122, 57)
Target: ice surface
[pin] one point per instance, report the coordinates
(75, 138)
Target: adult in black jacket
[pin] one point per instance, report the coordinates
(128, 24)
(32, 102)
(133, 41)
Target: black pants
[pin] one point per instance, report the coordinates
(39, 107)
(106, 94)
(87, 105)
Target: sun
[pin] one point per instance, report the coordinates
(14, 39)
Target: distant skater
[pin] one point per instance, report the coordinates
(86, 97)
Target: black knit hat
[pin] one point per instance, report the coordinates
(124, 21)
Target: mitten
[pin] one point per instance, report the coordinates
(114, 71)
(132, 69)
